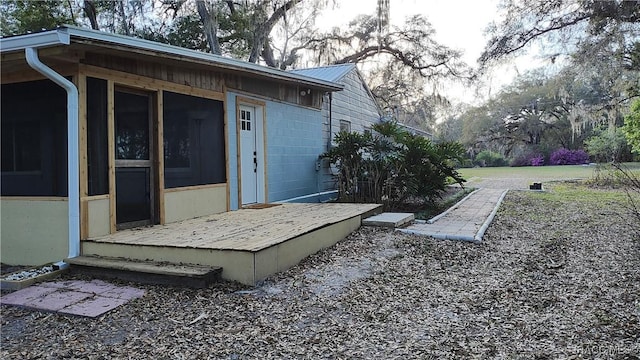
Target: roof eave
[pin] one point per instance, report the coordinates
(38, 40)
(183, 53)
(64, 36)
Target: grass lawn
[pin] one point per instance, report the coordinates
(518, 177)
(558, 171)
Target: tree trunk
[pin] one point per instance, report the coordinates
(210, 25)
(123, 19)
(90, 12)
(267, 55)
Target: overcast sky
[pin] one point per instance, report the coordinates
(459, 24)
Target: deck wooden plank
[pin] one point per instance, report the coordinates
(244, 230)
(160, 268)
(150, 272)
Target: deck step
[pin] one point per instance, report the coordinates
(388, 219)
(150, 272)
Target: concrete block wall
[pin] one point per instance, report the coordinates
(294, 143)
(296, 136)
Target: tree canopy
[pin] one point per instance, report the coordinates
(403, 65)
(595, 46)
(564, 27)
(631, 127)
(543, 111)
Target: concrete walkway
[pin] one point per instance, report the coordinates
(467, 220)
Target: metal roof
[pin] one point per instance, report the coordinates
(333, 73)
(66, 34)
(416, 130)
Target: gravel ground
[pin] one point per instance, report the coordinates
(556, 277)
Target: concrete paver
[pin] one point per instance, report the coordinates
(467, 220)
(26, 295)
(93, 307)
(83, 298)
(123, 293)
(57, 300)
(389, 219)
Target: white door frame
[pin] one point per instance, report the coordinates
(257, 110)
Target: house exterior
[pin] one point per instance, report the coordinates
(353, 109)
(102, 132)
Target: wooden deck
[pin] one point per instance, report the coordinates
(249, 244)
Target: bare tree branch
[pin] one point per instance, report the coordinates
(583, 24)
(262, 31)
(506, 45)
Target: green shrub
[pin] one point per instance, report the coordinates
(608, 145)
(392, 166)
(631, 127)
(490, 158)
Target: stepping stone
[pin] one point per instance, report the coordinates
(76, 297)
(93, 307)
(57, 300)
(388, 219)
(25, 295)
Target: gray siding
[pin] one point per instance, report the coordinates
(354, 104)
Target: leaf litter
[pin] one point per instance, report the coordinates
(555, 282)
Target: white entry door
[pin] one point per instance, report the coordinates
(251, 159)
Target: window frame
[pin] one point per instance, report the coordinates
(343, 124)
(202, 153)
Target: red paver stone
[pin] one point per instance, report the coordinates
(93, 307)
(57, 300)
(69, 284)
(74, 297)
(124, 292)
(94, 286)
(30, 293)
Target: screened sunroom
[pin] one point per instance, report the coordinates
(156, 134)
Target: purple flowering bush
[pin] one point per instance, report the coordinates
(537, 160)
(568, 157)
(530, 159)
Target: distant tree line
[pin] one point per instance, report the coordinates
(584, 104)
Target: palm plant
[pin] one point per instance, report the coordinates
(392, 166)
